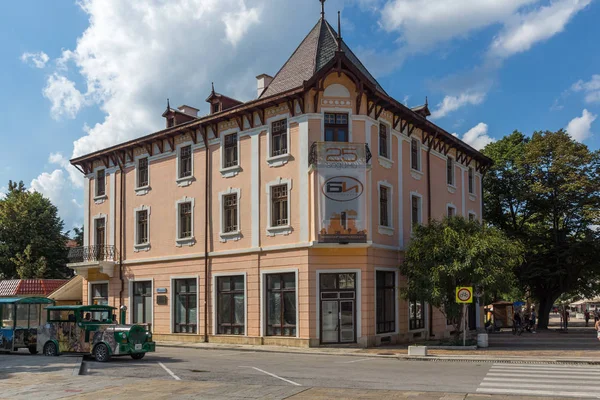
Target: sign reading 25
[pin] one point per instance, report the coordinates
(344, 154)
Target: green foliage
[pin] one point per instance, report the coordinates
(27, 266)
(457, 252)
(30, 231)
(545, 191)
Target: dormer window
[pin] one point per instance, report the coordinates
(215, 108)
(170, 122)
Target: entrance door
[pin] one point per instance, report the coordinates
(338, 316)
(329, 321)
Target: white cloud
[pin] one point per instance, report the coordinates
(477, 137)
(424, 23)
(524, 30)
(65, 98)
(3, 191)
(453, 103)
(37, 60)
(55, 186)
(591, 89)
(238, 22)
(75, 176)
(580, 127)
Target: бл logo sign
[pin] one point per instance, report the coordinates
(342, 188)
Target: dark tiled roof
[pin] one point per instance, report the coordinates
(27, 287)
(316, 50)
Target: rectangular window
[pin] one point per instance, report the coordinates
(471, 217)
(383, 141)
(231, 153)
(279, 138)
(100, 182)
(185, 220)
(450, 171)
(142, 172)
(185, 161)
(415, 156)
(384, 219)
(281, 304)
(231, 316)
(451, 211)
(415, 203)
(416, 315)
(142, 227)
(230, 214)
(336, 127)
(99, 297)
(279, 204)
(142, 302)
(471, 181)
(170, 122)
(100, 228)
(215, 108)
(185, 306)
(386, 301)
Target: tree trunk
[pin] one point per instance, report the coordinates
(545, 307)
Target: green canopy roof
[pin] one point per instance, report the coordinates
(82, 308)
(26, 300)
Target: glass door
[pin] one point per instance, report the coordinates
(347, 321)
(329, 321)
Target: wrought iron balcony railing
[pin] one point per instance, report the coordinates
(319, 153)
(92, 254)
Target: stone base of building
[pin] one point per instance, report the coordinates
(233, 339)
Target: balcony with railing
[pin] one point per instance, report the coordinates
(81, 259)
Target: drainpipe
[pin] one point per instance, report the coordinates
(122, 211)
(206, 184)
(429, 217)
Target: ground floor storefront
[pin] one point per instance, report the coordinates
(306, 297)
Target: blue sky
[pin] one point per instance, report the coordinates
(79, 76)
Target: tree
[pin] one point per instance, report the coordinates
(78, 235)
(545, 192)
(30, 230)
(27, 266)
(457, 252)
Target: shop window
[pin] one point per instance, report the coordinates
(231, 314)
(281, 304)
(386, 301)
(186, 299)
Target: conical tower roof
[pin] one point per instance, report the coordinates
(316, 50)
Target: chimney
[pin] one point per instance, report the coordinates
(189, 110)
(263, 81)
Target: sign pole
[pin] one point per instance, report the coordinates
(464, 324)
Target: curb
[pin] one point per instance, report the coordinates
(402, 357)
(78, 368)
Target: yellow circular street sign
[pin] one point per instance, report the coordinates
(464, 294)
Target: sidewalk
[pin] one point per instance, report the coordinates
(578, 346)
(48, 386)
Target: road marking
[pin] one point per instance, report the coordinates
(353, 361)
(169, 371)
(538, 380)
(587, 395)
(270, 374)
(558, 374)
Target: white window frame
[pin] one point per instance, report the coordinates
(415, 194)
(474, 214)
(281, 159)
(452, 206)
(284, 229)
(215, 302)
(90, 283)
(137, 247)
(235, 235)
(232, 171)
(386, 230)
(396, 299)
(185, 181)
(93, 233)
(471, 193)
(142, 190)
(385, 162)
(263, 301)
(419, 158)
(453, 183)
(337, 110)
(131, 282)
(189, 241)
(172, 302)
(99, 198)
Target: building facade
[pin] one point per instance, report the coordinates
(215, 227)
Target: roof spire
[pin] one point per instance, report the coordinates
(213, 87)
(339, 37)
(426, 101)
(168, 105)
(322, 8)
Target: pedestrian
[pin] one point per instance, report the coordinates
(597, 326)
(587, 317)
(533, 320)
(566, 319)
